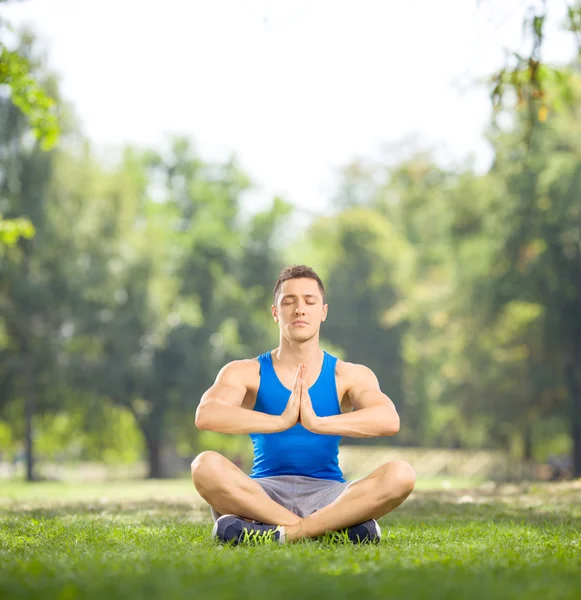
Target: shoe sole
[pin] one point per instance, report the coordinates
(377, 530)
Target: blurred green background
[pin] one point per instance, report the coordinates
(128, 280)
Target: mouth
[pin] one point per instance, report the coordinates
(299, 322)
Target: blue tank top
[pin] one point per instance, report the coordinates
(296, 451)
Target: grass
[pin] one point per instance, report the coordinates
(152, 540)
(91, 491)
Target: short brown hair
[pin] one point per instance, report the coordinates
(297, 272)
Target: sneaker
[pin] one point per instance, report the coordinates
(232, 529)
(364, 533)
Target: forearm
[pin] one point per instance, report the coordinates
(374, 421)
(223, 417)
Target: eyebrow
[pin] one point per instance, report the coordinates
(294, 296)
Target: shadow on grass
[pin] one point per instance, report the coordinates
(146, 510)
(434, 510)
(426, 510)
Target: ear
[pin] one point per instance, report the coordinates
(325, 311)
(274, 315)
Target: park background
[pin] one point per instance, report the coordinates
(424, 159)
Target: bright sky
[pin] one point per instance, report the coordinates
(296, 89)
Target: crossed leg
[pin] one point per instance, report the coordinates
(230, 491)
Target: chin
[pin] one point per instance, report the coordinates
(302, 337)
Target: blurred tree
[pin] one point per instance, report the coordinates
(359, 256)
(496, 290)
(260, 262)
(18, 74)
(528, 77)
(540, 225)
(172, 286)
(32, 293)
(465, 381)
(478, 381)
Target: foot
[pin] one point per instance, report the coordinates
(232, 529)
(364, 533)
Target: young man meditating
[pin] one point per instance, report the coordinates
(296, 402)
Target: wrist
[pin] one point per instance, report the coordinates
(319, 425)
(280, 424)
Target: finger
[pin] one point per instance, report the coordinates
(300, 372)
(296, 386)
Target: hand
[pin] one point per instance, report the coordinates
(308, 417)
(290, 416)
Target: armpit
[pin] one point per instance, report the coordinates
(345, 404)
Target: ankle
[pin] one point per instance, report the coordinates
(294, 532)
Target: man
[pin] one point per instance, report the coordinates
(296, 402)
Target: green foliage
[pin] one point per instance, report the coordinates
(234, 447)
(29, 96)
(12, 230)
(531, 84)
(6, 441)
(26, 93)
(360, 255)
(110, 435)
(125, 285)
(158, 281)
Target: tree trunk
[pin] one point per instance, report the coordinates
(576, 435)
(527, 442)
(29, 393)
(574, 377)
(28, 382)
(152, 429)
(574, 374)
(574, 371)
(153, 443)
(29, 433)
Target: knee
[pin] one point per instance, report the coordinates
(400, 478)
(207, 466)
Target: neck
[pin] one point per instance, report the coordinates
(294, 353)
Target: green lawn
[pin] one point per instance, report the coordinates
(152, 540)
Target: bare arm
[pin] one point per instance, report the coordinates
(374, 413)
(221, 406)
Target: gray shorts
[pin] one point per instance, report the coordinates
(301, 495)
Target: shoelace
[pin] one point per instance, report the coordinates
(258, 535)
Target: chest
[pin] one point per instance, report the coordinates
(287, 380)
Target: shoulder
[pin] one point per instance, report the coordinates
(239, 372)
(353, 374)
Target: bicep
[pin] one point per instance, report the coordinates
(365, 391)
(229, 387)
